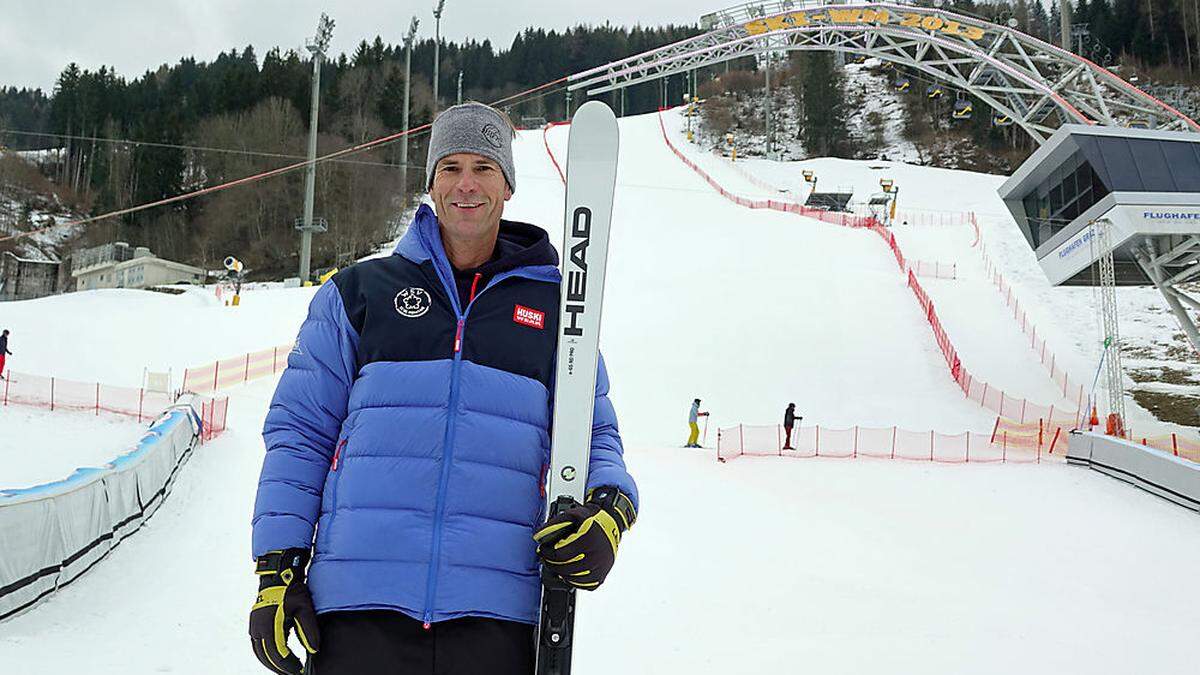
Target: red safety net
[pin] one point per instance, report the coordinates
(933, 270)
(929, 217)
(1071, 388)
(1017, 413)
(1010, 445)
(843, 219)
(56, 393)
(546, 142)
(214, 412)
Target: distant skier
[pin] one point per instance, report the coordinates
(410, 431)
(693, 416)
(3, 351)
(789, 421)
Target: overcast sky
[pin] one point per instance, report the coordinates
(39, 37)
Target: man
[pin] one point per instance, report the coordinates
(693, 415)
(411, 429)
(3, 351)
(789, 421)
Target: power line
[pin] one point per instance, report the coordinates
(177, 146)
(362, 147)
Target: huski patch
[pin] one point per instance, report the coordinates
(527, 316)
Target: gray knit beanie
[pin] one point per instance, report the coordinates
(475, 128)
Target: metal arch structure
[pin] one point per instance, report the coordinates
(1035, 84)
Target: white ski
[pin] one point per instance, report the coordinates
(591, 179)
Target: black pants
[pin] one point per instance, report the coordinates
(383, 642)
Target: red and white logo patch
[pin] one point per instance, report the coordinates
(527, 316)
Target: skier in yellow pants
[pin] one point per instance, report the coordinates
(693, 416)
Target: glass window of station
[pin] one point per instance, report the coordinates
(1104, 164)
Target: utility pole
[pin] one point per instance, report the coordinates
(1064, 24)
(460, 87)
(317, 47)
(409, 38)
(770, 151)
(437, 47)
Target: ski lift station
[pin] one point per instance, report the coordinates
(1144, 184)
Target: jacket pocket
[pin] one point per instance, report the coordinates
(336, 467)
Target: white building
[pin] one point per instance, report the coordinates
(117, 266)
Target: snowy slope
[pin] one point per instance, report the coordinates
(110, 336)
(39, 446)
(750, 310)
(835, 567)
(1158, 358)
(855, 568)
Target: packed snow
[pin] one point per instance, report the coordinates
(972, 310)
(41, 446)
(113, 336)
(754, 566)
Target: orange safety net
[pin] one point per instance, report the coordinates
(237, 370)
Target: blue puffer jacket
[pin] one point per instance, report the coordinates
(413, 435)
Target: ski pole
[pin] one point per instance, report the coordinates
(705, 431)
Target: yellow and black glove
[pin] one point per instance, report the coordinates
(283, 602)
(580, 544)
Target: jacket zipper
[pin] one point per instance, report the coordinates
(333, 466)
(337, 454)
(447, 457)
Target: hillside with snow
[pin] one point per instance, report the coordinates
(836, 566)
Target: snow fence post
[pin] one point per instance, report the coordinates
(931, 445)
(203, 421)
(216, 374)
(246, 375)
(141, 401)
(274, 360)
(52, 394)
(818, 441)
(855, 454)
(893, 442)
(208, 414)
(741, 439)
(968, 447)
(1174, 444)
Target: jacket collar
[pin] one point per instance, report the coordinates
(423, 242)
